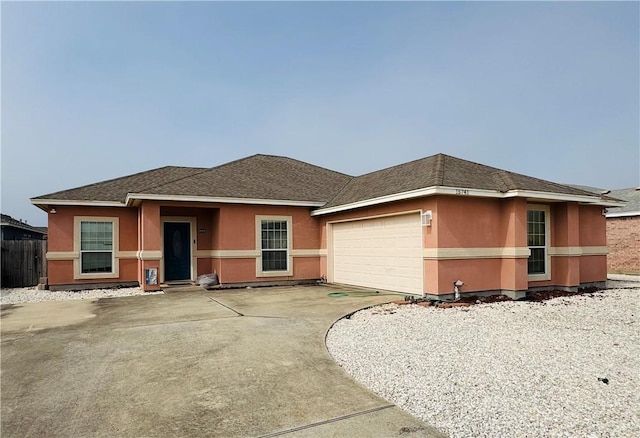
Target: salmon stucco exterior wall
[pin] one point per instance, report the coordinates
(483, 242)
(224, 241)
(63, 251)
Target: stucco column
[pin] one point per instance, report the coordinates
(514, 271)
(565, 235)
(150, 251)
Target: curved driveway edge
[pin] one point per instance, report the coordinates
(227, 363)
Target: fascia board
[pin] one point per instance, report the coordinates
(623, 214)
(592, 200)
(462, 192)
(221, 200)
(374, 201)
(46, 202)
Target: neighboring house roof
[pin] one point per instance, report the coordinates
(43, 230)
(630, 196)
(632, 208)
(8, 221)
(281, 180)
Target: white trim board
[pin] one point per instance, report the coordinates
(464, 192)
(220, 200)
(625, 214)
(475, 253)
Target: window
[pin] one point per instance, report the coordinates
(96, 247)
(274, 245)
(538, 240)
(274, 237)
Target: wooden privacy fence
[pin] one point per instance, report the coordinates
(23, 262)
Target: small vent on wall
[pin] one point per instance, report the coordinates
(426, 218)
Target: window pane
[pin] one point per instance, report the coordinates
(96, 236)
(537, 261)
(536, 228)
(274, 260)
(96, 262)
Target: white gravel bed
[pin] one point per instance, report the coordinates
(31, 294)
(511, 369)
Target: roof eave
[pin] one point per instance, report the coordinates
(550, 196)
(411, 194)
(132, 197)
(44, 204)
(23, 226)
(463, 192)
(623, 214)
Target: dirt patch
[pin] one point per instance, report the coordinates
(471, 300)
(549, 294)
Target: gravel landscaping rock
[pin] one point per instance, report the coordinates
(558, 368)
(31, 294)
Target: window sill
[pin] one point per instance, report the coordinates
(539, 277)
(288, 273)
(96, 276)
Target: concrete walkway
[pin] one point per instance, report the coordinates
(228, 363)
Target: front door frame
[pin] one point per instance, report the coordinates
(192, 233)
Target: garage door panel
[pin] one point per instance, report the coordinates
(382, 253)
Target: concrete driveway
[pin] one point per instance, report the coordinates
(233, 363)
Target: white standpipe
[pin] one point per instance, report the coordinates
(456, 289)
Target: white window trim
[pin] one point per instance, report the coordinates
(192, 240)
(115, 260)
(547, 241)
(259, 271)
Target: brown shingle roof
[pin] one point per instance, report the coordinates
(117, 189)
(257, 177)
(280, 178)
(442, 171)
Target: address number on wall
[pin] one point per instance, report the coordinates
(462, 191)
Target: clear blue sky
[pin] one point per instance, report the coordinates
(93, 91)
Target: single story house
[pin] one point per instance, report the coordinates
(414, 228)
(17, 229)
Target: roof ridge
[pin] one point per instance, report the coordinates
(509, 174)
(504, 180)
(205, 169)
(440, 167)
(344, 187)
(353, 179)
(210, 169)
(172, 181)
(398, 165)
(585, 192)
(304, 162)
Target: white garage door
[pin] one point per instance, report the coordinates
(382, 253)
